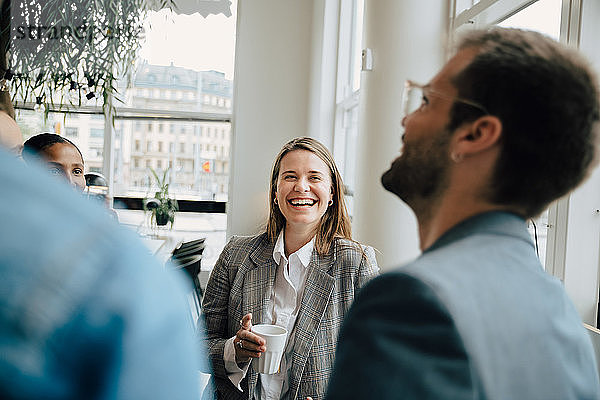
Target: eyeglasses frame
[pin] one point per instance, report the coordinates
(409, 84)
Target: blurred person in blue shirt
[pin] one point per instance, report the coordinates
(85, 311)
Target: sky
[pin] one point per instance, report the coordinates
(191, 41)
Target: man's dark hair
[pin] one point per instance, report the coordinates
(546, 97)
(35, 145)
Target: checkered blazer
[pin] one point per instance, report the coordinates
(242, 281)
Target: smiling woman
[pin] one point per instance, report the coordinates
(301, 274)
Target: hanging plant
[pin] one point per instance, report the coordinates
(72, 52)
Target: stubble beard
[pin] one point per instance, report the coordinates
(420, 174)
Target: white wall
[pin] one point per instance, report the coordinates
(271, 100)
(407, 42)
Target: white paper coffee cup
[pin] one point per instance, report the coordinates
(275, 336)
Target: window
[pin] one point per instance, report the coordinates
(160, 147)
(71, 132)
(543, 16)
(568, 234)
(96, 133)
(348, 90)
(182, 147)
(130, 146)
(95, 152)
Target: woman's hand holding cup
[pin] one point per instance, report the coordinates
(247, 344)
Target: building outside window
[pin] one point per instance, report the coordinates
(96, 132)
(71, 132)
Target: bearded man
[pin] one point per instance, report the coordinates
(507, 126)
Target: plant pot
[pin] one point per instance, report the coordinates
(161, 218)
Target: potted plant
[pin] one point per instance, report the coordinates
(161, 206)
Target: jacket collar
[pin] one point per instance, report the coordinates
(262, 255)
(493, 222)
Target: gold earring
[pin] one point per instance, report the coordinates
(275, 200)
(330, 203)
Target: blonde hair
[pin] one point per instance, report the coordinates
(335, 223)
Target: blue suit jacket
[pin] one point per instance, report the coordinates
(475, 317)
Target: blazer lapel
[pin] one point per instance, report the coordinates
(317, 292)
(259, 280)
(255, 280)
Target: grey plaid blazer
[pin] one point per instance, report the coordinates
(242, 281)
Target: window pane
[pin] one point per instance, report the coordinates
(462, 5)
(198, 166)
(542, 16)
(86, 131)
(357, 44)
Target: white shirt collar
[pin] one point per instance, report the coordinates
(304, 253)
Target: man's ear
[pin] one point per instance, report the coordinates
(477, 136)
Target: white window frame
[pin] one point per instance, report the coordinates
(347, 99)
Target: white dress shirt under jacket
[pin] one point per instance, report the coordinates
(286, 299)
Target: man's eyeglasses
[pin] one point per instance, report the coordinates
(416, 96)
